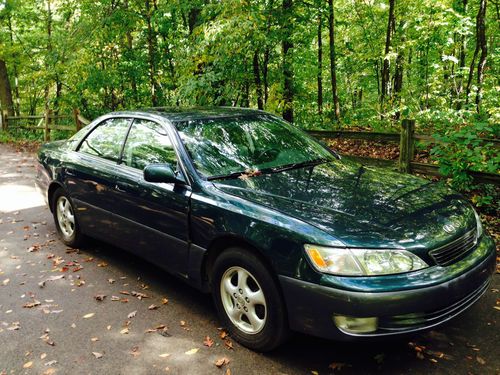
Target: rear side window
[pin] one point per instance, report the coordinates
(148, 143)
(106, 140)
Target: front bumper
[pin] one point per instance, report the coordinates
(311, 307)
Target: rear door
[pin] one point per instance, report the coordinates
(90, 177)
(153, 216)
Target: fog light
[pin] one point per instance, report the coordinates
(351, 324)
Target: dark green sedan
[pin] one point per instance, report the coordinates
(285, 234)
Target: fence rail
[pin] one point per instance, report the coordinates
(406, 140)
(46, 122)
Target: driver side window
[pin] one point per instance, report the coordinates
(148, 143)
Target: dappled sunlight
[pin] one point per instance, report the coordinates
(14, 197)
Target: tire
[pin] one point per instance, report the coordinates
(248, 301)
(65, 219)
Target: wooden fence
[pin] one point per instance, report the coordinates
(46, 122)
(406, 140)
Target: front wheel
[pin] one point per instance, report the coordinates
(65, 219)
(248, 300)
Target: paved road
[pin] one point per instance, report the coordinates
(51, 322)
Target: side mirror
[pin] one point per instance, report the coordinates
(161, 173)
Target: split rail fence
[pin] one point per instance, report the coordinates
(406, 140)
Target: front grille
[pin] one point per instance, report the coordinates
(428, 319)
(455, 250)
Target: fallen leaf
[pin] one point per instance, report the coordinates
(28, 364)
(102, 264)
(164, 301)
(97, 355)
(50, 363)
(30, 305)
(124, 331)
(89, 315)
(221, 362)
(139, 295)
(99, 297)
(135, 351)
(223, 334)
(182, 323)
(111, 281)
(49, 371)
(192, 351)
(336, 366)
(153, 307)
(208, 342)
(5, 282)
(43, 355)
(480, 360)
(229, 344)
(132, 314)
(124, 292)
(164, 355)
(94, 339)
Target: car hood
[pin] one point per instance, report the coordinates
(361, 206)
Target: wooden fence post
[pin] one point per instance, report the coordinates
(76, 113)
(406, 145)
(5, 120)
(48, 121)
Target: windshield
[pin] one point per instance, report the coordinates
(247, 144)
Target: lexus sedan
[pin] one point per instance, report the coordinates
(285, 234)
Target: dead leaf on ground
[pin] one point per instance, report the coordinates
(99, 297)
(28, 364)
(30, 305)
(49, 371)
(132, 314)
(111, 281)
(5, 282)
(164, 355)
(102, 264)
(135, 351)
(192, 351)
(164, 301)
(221, 362)
(124, 331)
(139, 295)
(94, 339)
(229, 344)
(223, 334)
(208, 342)
(336, 366)
(124, 292)
(89, 315)
(153, 307)
(97, 355)
(228, 371)
(480, 360)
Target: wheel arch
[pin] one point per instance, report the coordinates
(224, 242)
(54, 185)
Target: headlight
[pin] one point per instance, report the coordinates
(362, 262)
(479, 225)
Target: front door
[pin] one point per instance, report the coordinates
(153, 216)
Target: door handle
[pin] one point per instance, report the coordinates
(118, 188)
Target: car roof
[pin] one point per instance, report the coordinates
(181, 114)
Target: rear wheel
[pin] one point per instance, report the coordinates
(248, 300)
(65, 219)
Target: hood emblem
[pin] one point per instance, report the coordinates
(450, 228)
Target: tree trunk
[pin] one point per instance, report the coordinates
(5, 90)
(398, 82)
(480, 29)
(320, 63)
(256, 75)
(17, 104)
(386, 66)
(481, 40)
(49, 51)
(287, 47)
(333, 67)
(151, 40)
(461, 60)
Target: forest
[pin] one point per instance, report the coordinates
(321, 64)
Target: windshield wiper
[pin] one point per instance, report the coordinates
(302, 164)
(226, 176)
